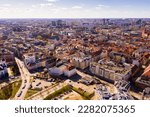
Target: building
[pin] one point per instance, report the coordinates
(8, 56)
(144, 81)
(51, 62)
(121, 96)
(146, 94)
(111, 71)
(30, 61)
(3, 69)
(69, 71)
(29, 58)
(81, 63)
(55, 71)
(146, 33)
(66, 70)
(34, 61)
(86, 80)
(122, 85)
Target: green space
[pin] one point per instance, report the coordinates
(84, 94)
(14, 70)
(31, 92)
(58, 92)
(10, 90)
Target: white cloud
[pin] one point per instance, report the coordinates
(46, 5)
(50, 10)
(77, 7)
(49, 3)
(64, 8)
(51, 0)
(4, 8)
(43, 5)
(101, 6)
(5, 5)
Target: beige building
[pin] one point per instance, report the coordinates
(111, 71)
(81, 63)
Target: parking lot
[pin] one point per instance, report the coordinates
(37, 83)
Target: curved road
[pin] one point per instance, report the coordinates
(25, 75)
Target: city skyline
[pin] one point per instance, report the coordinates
(75, 59)
(74, 9)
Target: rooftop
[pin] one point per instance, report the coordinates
(112, 66)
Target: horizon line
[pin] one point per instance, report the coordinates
(80, 18)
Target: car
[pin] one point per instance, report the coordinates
(30, 86)
(56, 98)
(65, 93)
(25, 81)
(38, 84)
(12, 77)
(53, 80)
(19, 94)
(45, 87)
(49, 80)
(24, 87)
(106, 95)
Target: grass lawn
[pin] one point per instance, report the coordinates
(85, 95)
(10, 90)
(31, 92)
(58, 92)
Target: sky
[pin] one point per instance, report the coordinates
(74, 8)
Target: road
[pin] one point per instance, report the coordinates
(25, 75)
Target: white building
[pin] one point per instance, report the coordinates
(30, 58)
(70, 72)
(65, 70)
(31, 62)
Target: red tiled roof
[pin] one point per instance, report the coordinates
(146, 71)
